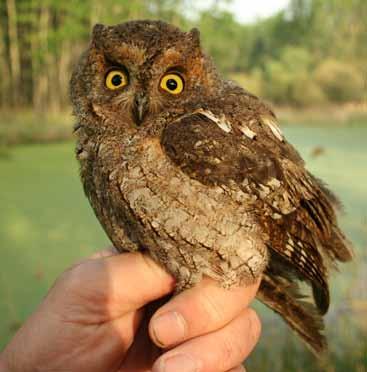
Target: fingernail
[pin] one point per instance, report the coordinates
(177, 363)
(169, 328)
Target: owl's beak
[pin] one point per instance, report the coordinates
(140, 108)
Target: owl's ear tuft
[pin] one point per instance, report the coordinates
(194, 36)
(98, 30)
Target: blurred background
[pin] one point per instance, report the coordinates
(307, 58)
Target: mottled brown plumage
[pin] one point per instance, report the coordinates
(201, 178)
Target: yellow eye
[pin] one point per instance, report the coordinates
(116, 79)
(172, 83)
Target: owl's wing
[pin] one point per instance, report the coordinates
(297, 211)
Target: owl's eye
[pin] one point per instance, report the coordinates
(116, 79)
(172, 83)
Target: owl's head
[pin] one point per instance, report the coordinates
(136, 70)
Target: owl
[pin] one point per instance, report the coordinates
(190, 167)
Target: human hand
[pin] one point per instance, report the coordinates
(96, 318)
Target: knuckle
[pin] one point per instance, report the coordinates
(73, 278)
(154, 269)
(211, 310)
(77, 296)
(107, 252)
(149, 263)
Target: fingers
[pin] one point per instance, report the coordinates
(107, 252)
(238, 369)
(109, 287)
(119, 334)
(199, 310)
(221, 350)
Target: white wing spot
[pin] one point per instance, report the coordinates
(83, 155)
(289, 248)
(274, 183)
(221, 122)
(303, 253)
(288, 253)
(247, 131)
(271, 123)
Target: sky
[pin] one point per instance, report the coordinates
(248, 11)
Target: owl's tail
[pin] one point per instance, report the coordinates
(284, 298)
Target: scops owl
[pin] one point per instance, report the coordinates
(177, 161)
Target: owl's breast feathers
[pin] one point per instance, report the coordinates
(193, 228)
(251, 155)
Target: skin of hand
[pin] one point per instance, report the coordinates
(106, 314)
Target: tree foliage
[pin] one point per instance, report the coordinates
(313, 51)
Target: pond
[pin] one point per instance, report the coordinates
(46, 224)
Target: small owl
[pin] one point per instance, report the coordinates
(192, 168)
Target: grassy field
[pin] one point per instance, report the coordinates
(46, 224)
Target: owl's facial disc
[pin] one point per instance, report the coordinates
(140, 107)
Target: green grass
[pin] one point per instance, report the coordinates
(46, 224)
(27, 126)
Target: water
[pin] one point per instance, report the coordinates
(46, 224)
